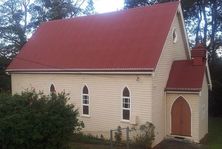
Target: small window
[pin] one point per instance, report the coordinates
(126, 104)
(52, 89)
(174, 36)
(85, 101)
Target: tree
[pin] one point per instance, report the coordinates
(36, 121)
(215, 101)
(90, 9)
(13, 26)
(5, 84)
(138, 3)
(45, 10)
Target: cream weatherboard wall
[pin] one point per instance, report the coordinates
(203, 109)
(171, 51)
(105, 93)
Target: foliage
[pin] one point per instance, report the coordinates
(36, 121)
(215, 101)
(19, 18)
(89, 139)
(13, 26)
(5, 83)
(118, 135)
(45, 10)
(90, 9)
(145, 137)
(138, 3)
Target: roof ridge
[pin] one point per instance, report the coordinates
(113, 12)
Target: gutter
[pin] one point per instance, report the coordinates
(182, 91)
(209, 77)
(82, 71)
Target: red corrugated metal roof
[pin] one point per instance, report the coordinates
(186, 76)
(125, 40)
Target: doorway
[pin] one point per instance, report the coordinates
(181, 118)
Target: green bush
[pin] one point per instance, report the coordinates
(36, 121)
(5, 80)
(118, 135)
(144, 139)
(90, 139)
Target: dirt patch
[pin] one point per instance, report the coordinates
(179, 144)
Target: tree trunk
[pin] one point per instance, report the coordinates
(199, 18)
(211, 48)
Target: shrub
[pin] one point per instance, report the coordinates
(36, 121)
(118, 135)
(89, 139)
(145, 137)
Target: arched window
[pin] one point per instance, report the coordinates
(174, 35)
(126, 104)
(85, 100)
(52, 89)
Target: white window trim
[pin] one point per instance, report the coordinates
(122, 108)
(82, 104)
(176, 35)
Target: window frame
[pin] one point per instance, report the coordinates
(50, 87)
(175, 39)
(83, 104)
(130, 104)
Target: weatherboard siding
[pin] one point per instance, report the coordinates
(203, 109)
(171, 51)
(193, 101)
(105, 93)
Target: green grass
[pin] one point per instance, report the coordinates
(215, 133)
(89, 146)
(81, 141)
(93, 146)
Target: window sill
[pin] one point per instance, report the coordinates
(87, 116)
(125, 121)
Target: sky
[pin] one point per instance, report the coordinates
(102, 6)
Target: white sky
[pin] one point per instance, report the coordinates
(102, 6)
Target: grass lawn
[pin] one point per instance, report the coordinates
(93, 146)
(215, 133)
(89, 146)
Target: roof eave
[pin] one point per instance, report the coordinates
(183, 89)
(83, 71)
